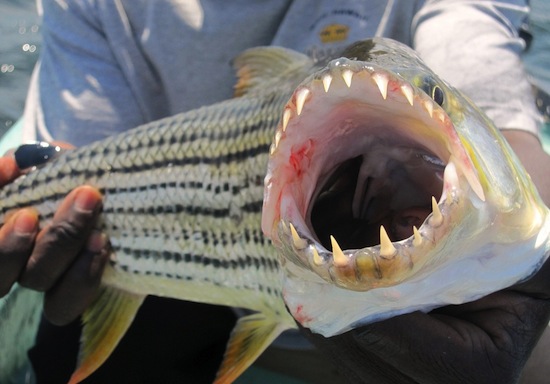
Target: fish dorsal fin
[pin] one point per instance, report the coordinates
(256, 66)
(105, 323)
(250, 337)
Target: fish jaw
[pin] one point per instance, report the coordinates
(361, 108)
(342, 112)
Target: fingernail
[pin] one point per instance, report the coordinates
(96, 242)
(25, 222)
(85, 202)
(35, 154)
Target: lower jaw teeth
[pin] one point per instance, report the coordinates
(306, 249)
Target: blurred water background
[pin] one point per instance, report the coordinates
(19, 47)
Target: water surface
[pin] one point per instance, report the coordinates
(19, 46)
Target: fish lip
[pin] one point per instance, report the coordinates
(296, 163)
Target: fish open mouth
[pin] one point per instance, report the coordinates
(387, 186)
(366, 175)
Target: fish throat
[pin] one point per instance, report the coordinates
(386, 186)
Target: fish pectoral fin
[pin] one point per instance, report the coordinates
(257, 66)
(105, 323)
(250, 337)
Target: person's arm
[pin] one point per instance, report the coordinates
(533, 157)
(476, 47)
(90, 83)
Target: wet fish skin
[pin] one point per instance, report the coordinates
(182, 210)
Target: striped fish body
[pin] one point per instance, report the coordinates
(182, 205)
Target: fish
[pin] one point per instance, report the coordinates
(330, 194)
(388, 191)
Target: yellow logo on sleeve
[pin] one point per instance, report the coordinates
(333, 33)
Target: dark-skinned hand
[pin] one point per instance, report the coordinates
(64, 259)
(485, 341)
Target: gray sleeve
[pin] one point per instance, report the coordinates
(80, 93)
(475, 46)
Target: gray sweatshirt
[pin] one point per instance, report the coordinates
(110, 65)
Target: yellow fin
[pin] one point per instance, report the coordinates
(259, 65)
(250, 337)
(105, 323)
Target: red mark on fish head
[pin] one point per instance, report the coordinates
(300, 157)
(394, 86)
(300, 316)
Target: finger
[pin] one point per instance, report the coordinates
(35, 154)
(59, 243)
(9, 170)
(357, 364)
(78, 286)
(16, 241)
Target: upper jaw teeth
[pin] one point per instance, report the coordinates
(347, 75)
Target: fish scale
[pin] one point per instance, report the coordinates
(163, 196)
(182, 201)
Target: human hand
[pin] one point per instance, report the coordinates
(64, 259)
(485, 341)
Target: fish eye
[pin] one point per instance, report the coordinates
(437, 95)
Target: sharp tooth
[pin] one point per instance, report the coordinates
(286, 117)
(408, 92)
(429, 106)
(475, 184)
(327, 79)
(450, 176)
(417, 240)
(382, 83)
(476, 187)
(277, 138)
(347, 75)
(450, 179)
(299, 243)
(437, 217)
(301, 97)
(386, 247)
(317, 260)
(284, 225)
(338, 257)
(470, 173)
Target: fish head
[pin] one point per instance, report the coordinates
(388, 191)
